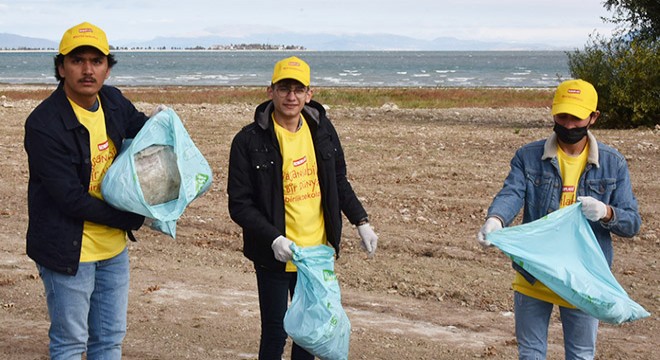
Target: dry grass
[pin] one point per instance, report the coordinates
(436, 98)
(405, 98)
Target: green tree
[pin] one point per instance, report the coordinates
(640, 17)
(625, 69)
(627, 77)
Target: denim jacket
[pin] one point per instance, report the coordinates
(534, 184)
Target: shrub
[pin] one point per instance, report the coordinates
(625, 74)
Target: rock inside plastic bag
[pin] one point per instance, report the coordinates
(158, 174)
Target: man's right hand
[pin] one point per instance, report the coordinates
(491, 224)
(158, 108)
(282, 249)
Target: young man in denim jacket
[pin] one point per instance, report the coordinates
(547, 175)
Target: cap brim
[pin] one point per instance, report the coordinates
(70, 49)
(571, 109)
(276, 80)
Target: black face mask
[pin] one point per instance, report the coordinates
(570, 136)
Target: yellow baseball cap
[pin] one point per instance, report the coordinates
(291, 68)
(84, 34)
(575, 97)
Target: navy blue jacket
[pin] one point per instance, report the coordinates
(59, 161)
(256, 195)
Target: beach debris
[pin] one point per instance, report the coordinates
(5, 104)
(158, 174)
(389, 107)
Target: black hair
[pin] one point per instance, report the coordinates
(59, 60)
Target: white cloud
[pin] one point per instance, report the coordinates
(546, 21)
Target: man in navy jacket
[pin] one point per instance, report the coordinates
(76, 239)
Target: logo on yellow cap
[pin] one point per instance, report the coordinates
(84, 34)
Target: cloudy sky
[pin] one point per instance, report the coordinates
(554, 22)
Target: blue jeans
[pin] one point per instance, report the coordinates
(274, 288)
(532, 321)
(88, 311)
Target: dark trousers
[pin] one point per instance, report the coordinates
(274, 289)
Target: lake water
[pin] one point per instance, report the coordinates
(329, 68)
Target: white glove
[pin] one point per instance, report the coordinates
(157, 109)
(369, 238)
(592, 209)
(282, 249)
(491, 224)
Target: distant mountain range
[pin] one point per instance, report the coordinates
(318, 42)
(12, 41)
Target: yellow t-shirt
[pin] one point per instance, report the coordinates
(571, 168)
(99, 242)
(302, 196)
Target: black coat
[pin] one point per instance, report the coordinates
(59, 162)
(256, 195)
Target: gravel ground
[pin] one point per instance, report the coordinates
(425, 176)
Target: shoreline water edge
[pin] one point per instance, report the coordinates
(406, 69)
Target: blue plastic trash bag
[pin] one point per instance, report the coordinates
(562, 252)
(158, 173)
(315, 319)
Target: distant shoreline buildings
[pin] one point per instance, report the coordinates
(230, 47)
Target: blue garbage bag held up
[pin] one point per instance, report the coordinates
(183, 172)
(562, 252)
(315, 320)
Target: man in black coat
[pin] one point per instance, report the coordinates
(287, 184)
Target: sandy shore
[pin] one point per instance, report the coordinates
(425, 176)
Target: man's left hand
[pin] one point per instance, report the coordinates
(593, 209)
(369, 238)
